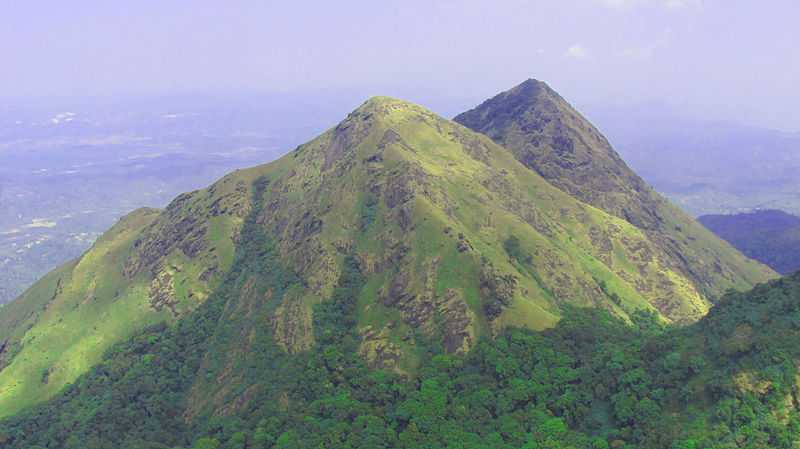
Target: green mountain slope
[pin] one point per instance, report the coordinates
(453, 238)
(553, 139)
(769, 236)
(150, 267)
(58, 329)
(594, 381)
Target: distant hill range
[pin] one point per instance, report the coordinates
(707, 167)
(769, 236)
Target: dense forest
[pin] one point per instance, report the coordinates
(593, 381)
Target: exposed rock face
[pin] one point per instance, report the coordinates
(292, 325)
(6, 353)
(458, 322)
(162, 292)
(378, 350)
(183, 226)
(177, 230)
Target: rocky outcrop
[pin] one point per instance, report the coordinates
(180, 227)
(162, 292)
(292, 326)
(378, 349)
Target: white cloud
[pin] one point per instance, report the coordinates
(577, 51)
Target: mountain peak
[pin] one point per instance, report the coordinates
(550, 137)
(382, 107)
(531, 85)
(379, 103)
(373, 118)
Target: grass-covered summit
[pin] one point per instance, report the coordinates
(550, 137)
(453, 237)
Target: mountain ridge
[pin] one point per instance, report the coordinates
(456, 241)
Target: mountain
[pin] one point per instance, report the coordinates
(769, 236)
(551, 138)
(706, 167)
(456, 240)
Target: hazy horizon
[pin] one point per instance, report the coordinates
(687, 55)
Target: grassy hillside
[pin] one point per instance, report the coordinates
(553, 139)
(59, 328)
(769, 236)
(594, 381)
(150, 267)
(454, 239)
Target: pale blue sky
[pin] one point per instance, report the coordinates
(720, 59)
